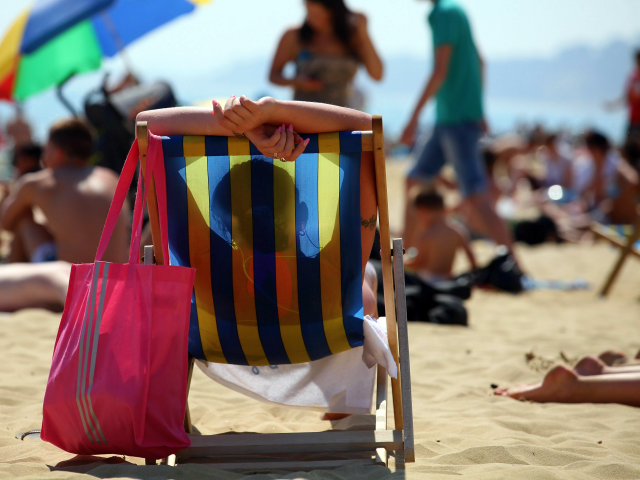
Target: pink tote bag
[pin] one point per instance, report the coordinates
(119, 372)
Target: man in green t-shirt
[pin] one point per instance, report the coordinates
(456, 83)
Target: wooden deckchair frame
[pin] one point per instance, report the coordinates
(626, 248)
(378, 441)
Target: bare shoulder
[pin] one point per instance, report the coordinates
(458, 229)
(290, 37)
(35, 180)
(105, 174)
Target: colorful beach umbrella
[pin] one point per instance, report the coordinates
(56, 39)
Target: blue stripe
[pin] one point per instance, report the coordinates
(350, 142)
(221, 253)
(309, 300)
(216, 147)
(253, 151)
(351, 248)
(172, 147)
(264, 260)
(179, 236)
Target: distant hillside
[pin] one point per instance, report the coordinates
(579, 74)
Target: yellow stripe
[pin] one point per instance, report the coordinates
(10, 46)
(284, 206)
(329, 220)
(199, 253)
(242, 238)
(193, 146)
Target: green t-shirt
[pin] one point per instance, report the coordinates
(459, 100)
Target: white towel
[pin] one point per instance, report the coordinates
(341, 383)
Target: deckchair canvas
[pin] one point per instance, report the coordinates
(277, 251)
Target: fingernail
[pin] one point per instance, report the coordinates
(233, 96)
(291, 127)
(214, 103)
(284, 126)
(306, 142)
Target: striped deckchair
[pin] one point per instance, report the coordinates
(278, 259)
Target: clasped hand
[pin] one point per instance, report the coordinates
(242, 115)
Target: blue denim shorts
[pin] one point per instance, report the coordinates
(457, 145)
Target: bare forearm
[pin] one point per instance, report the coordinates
(278, 79)
(430, 90)
(370, 58)
(183, 121)
(308, 117)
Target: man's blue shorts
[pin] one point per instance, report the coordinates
(457, 145)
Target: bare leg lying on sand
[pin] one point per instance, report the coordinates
(33, 285)
(591, 381)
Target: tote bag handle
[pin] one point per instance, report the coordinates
(154, 168)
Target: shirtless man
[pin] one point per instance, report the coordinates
(74, 198)
(438, 239)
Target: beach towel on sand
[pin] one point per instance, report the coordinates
(118, 378)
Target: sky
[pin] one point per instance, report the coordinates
(225, 31)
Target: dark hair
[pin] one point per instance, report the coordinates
(631, 153)
(31, 150)
(342, 27)
(429, 199)
(638, 55)
(73, 137)
(550, 139)
(597, 140)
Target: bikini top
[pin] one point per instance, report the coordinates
(335, 72)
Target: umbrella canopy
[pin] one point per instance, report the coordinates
(56, 39)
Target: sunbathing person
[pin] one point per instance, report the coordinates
(590, 381)
(269, 125)
(438, 239)
(72, 196)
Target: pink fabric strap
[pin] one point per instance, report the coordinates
(154, 169)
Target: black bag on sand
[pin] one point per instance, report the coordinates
(502, 273)
(440, 302)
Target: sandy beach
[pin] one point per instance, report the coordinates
(461, 427)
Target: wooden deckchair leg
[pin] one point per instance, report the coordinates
(142, 134)
(385, 253)
(188, 427)
(381, 411)
(624, 253)
(403, 341)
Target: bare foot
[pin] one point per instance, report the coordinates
(557, 386)
(334, 416)
(613, 357)
(590, 366)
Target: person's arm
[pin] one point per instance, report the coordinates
(258, 120)
(466, 245)
(17, 204)
(440, 70)
(286, 52)
(366, 51)
(242, 115)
